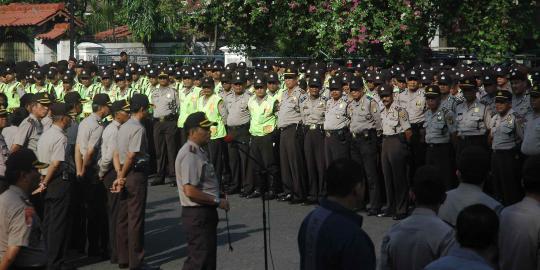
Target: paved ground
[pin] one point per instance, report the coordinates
(165, 245)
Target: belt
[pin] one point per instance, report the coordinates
(435, 145)
(336, 132)
(314, 127)
(288, 126)
(417, 125)
(170, 117)
(470, 137)
(363, 134)
(391, 136)
(239, 127)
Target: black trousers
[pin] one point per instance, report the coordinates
(364, 150)
(394, 164)
(417, 149)
(56, 223)
(238, 160)
(130, 220)
(215, 153)
(506, 176)
(166, 149)
(113, 201)
(200, 226)
(465, 141)
(78, 215)
(292, 161)
(441, 156)
(315, 162)
(261, 148)
(149, 123)
(95, 201)
(336, 145)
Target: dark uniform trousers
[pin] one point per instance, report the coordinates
(394, 164)
(238, 160)
(364, 151)
(149, 123)
(417, 148)
(56, 223)
(165, 146)
(215, 154)
(440, 155)
(315, 161)
(506, 176)
(261, 148)
(95, 197)
(130, 220)
(336, 145)
(200, 225)
(291, 143)
(465, 141)
(113, 201)
(78, 215)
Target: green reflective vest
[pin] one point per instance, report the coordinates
(188, 104)
(263, 118)
(117, 94)
(12, 95)
(210, 108)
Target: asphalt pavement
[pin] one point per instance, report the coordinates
(165, 245)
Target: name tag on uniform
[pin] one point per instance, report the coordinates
(312, 126)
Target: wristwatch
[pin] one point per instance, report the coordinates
(217, 200)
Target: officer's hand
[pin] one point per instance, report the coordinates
(224, 204)
(40, 189)
(117, 185)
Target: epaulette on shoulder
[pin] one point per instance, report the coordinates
(193, 149)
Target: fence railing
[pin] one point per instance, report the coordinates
(143, 59)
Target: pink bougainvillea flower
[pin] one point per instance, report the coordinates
(312, 9)
(403, 27)
(363, 29)
(407, 42)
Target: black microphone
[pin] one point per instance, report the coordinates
(230, 139)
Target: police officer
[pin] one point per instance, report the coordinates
(365, 126)
(446, 84)
(505, 136)
(56, 185)
(531, 137)
(86, 156)
(313, 110)
(263, 123)
(199, 194)
(188, 97)
(132, 155)
(165, 99)
(108, 172)
(12, 88)
(4, 150)
(273, 84)
(439, 124)
(472, 117)
(238, 118)
(31, 128)
(397, 133)
(291, 139)
(521, 104)
(336, 121)
(490, 87)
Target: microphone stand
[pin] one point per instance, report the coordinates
(263, 173)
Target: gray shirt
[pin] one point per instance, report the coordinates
(165, 100)
(489, 101)
(46, 122)
(531, 137)
(193, 167)
(395, 120)
(473, 119)
(336, 114)
(505, 131)
(462, 196)
(132, 138)
(237, 109)
(52, 146)
(439, 125)
(364, 114)
(450, 102)
(521, 105)
(29, 132)
(519, 236)
(89, 135)
(313, 110)
(414, 103)
(9, 134)
(108, 145)
(289, 107)
(416, 241)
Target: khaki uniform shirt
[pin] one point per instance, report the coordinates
(505, 131)
(165, 100)
(531, 137)
(52, 147)
(29, 132)
(395, 120)
(414, 103)
(89, 135)
(108, 145)
(289, 107)
(364, 114)
(336, 114)
(313, 110)
(439, 125)
(237, 109)
(473, 119)
(132, 138)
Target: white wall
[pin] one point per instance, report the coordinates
(43, 54)
(62, 50)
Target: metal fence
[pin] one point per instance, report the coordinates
(16, 51)
(143, 59)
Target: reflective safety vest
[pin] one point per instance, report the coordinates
(117, 94)
(188, 104)
(12, 95)
(212, 112)
(263, 118)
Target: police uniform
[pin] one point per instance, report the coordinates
(199, 221)
(291, 142)
(395, 121)
(365, 125)
(130, 227)
(188, 99)
(165, 100)
(238, 119)
(336, 122)
(489, 98)
(262, 126)
(31, 128)
(439, 125)
(51, 147)
(89, 137)
(313, 110)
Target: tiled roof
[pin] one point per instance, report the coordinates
(58, 30)
(119, 32)
(24, 14)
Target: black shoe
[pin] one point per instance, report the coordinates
(296, 201)
(385, 214)
(283, 194)
(309, 202)
(270, 196)
(173, 184)
(373, 212)
(243, 195)
(157, 182)
(253, 195)
(123, 265)
(399, 216)
(232, 191)
(285, 198)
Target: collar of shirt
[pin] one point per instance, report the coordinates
(530, 201)
(19, 191)
(34, 117)
(96, 116)
(467, 254)
(423, 212)
(134, 121)
(53, 126)
(192, 143)
(339, 209)
(116, 123)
